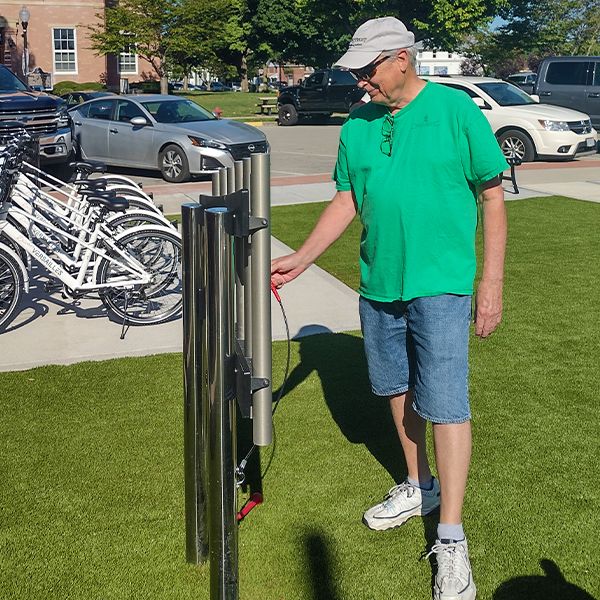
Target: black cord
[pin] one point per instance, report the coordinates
(244, 462)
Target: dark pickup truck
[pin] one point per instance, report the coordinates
(43, 115)
(321, 94)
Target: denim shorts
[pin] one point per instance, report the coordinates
(421, 344)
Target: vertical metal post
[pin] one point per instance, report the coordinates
(240, 246)
(262, 426)
(247, 334)
(194, 442)
(216, 183)
(223, 544)
(230, 180)
(223, 180)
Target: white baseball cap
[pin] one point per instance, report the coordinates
(374, 37)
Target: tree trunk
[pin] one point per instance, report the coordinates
(244, 72)
(164, 84)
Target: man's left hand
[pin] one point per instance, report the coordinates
(488, 307)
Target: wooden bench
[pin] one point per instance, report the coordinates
(267, 105)
(513, 161)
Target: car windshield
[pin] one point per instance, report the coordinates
(506, 94)
(177, 111)
(10, 82)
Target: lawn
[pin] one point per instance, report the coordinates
(233, 104)
(91, 502)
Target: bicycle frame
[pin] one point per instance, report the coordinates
(136, 272)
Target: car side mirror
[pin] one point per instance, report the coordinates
(481, 103)
(535, 97)
(138, 121)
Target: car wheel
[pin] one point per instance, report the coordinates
(516, 144)
(173, 164)
(288, 115)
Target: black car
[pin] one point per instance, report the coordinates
(75, 98)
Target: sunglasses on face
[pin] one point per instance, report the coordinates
(369, 71)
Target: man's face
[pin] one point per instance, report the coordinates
(383, 76)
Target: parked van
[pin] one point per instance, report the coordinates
(571, 81)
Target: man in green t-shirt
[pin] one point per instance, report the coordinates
(412, 163)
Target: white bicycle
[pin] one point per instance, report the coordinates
(136, 273)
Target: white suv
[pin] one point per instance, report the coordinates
(525, 128)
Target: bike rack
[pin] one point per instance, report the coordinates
(227, 355)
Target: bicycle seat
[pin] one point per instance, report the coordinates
(89, 166)
(91, 184)
(111, 204)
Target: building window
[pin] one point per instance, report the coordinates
(434, 54)
(424, 70)
(449, 54)
(128, 61)
(440, 70)
(65, 50)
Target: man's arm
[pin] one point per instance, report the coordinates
(488, 300)
(331, 224)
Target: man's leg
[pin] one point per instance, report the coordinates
(452, 456)
(411, 430)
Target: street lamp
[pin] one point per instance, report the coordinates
(24, 18)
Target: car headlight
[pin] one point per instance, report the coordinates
(64, 119)
(202, 143)
(554, 125)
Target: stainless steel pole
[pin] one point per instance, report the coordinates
(246, 184)
(223, 545)
(230, 180)
(194, 442)
(216, 182)
(240, 246)
(223, 181)
(238, 166)
(260, 194)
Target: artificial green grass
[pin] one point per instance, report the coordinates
(233, 104)
(91, 502)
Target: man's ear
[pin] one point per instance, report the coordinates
(402, 59)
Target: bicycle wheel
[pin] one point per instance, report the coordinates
(137, 203)
(135, 218)
(11, 287)
(159, 251)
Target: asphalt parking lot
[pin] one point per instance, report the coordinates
(311, 150)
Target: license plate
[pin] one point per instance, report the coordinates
(590, 142)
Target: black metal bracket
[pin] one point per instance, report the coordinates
(245, 384)
(238, 223)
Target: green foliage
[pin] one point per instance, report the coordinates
(62, 87)
(534, 30)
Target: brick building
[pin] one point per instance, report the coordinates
(58, 42)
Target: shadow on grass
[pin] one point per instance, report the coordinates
(322, 571)
(550, 586)
(362, 417)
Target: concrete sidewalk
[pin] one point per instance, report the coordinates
(50, 330)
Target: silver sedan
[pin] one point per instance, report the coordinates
(174, 135)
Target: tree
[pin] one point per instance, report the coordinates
(143, 24)
(328, 25)
(161, 31)
(197, 30)
(533, 30)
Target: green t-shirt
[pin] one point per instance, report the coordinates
(418, 206)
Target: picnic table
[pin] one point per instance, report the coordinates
(266, 105)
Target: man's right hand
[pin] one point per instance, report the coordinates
(287, 268)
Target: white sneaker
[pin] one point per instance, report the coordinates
(454, 578)
(402, 502)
